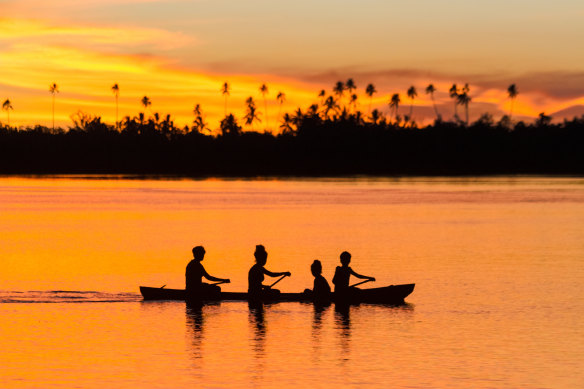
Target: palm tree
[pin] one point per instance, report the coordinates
(453, 91)
(370, 91)
(339, 90)
(312, 110)
(330, 104)
(225, 91)
(7, 106)
(412, 93)
(430, 89)
(375, 116)
(252, 115)
(286, 125)
(353, 101)
(116, 91)
(394, 104)
(199, 123)
(350, 86)
(264, 92)
(543, 120)
(146, 102)
(54, 89)
(464, 99)
(322, 95)
(512, 92)
(281, 98)
(229, 125)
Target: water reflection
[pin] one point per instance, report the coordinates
(195, 325)
(343, 324)
(319, 311)
(257, 320)
(317, 320)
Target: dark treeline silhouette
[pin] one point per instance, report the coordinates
(330, 138)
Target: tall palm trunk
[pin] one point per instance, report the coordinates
(266, 111)
(117, 122)
(434, 105)
(53, 112)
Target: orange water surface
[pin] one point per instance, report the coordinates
(498, 264)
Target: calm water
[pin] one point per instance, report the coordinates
(498, 265)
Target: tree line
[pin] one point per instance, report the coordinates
(330, 137)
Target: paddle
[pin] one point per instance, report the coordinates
(162, 287)
(219, 283)
(280, 279)
(359, 283)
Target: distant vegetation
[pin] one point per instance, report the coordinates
(331, 137)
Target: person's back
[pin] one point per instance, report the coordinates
(195, 288)
(341, 278)
(321, 287)
(343, 274)
(255, 277)
(194, 276)
(321, 291)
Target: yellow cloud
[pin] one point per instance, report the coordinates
(16, 30)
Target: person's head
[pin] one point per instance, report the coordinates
(260, 254)
(199, 253)
(345, 258)
(316, 268)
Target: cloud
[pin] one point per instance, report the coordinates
(15, 31)
(556, 84)
(559, 84)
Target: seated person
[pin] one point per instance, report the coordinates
(343, 273)
(256, 289)
(321, 291)
(195, 287)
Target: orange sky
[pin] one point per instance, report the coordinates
(183, 57)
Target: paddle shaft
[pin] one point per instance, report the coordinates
(280, 279)
(359, 283)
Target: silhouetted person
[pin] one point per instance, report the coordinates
(342, 275)
(196, 289)
(256, 289)
(321, 291)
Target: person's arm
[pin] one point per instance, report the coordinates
(211, 278)
(361, 276)
(271, 274)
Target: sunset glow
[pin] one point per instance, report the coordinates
(179, 54)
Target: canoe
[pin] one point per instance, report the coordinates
(393, 294)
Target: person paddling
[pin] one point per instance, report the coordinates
(321, 291)
(256, 275)
(343, 273)
(196, 289)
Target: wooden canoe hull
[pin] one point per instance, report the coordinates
(393, 294)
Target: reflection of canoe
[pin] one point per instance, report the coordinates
(393, 294)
